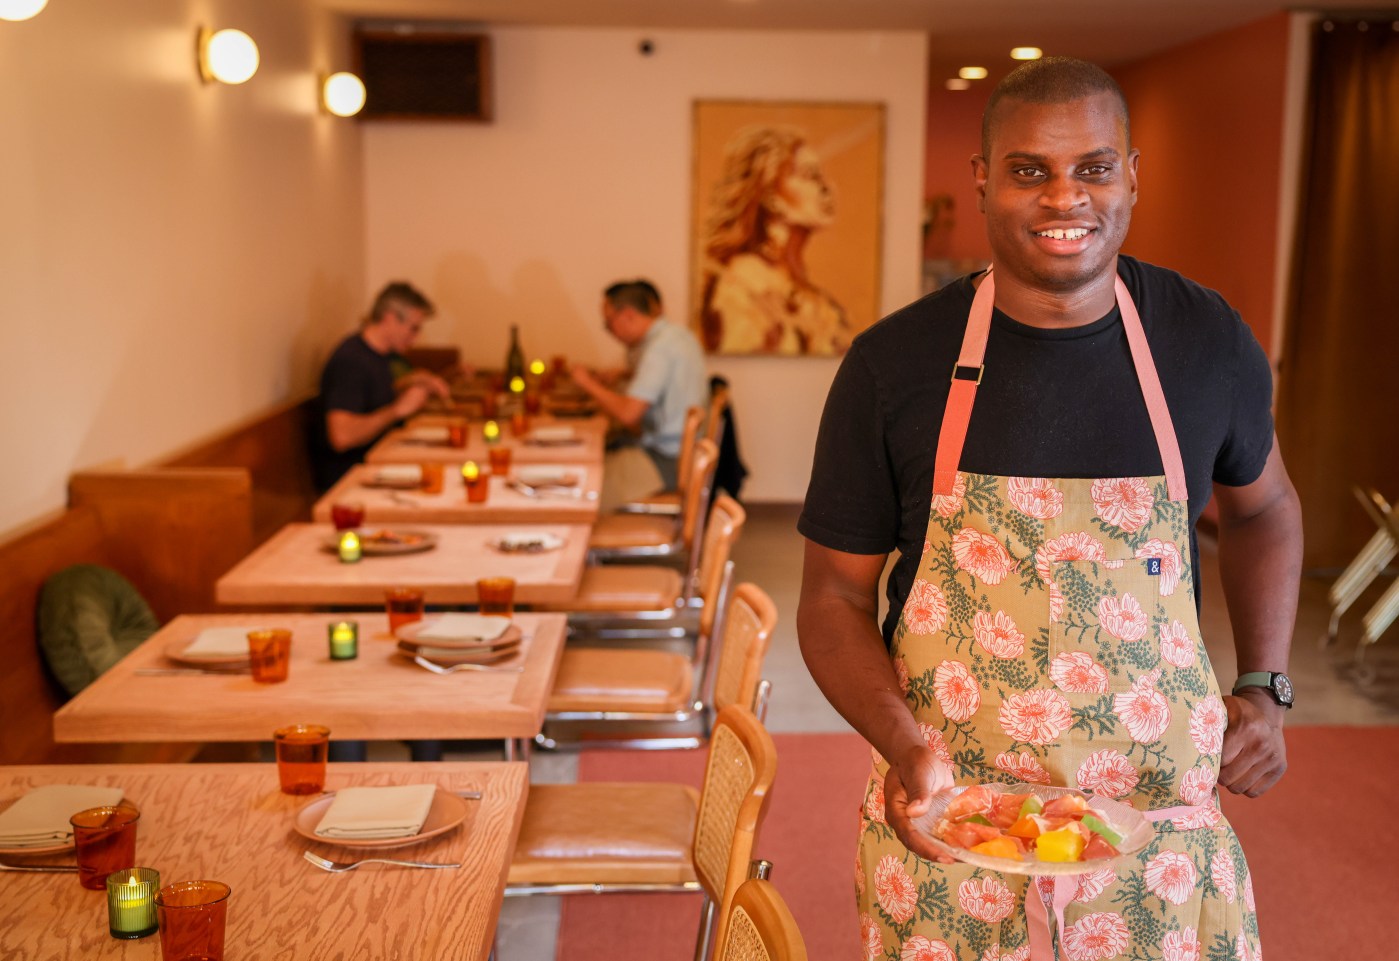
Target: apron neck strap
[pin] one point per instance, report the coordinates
(966, 375)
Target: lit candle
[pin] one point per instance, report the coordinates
(350, 549)
(131, 902)
(470, 471)
(517, 385)
(536, 367)
(344, 641)
(491, 432)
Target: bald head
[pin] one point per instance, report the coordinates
(1050, 80)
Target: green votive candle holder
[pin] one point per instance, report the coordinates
(131, 902)
(344, 640)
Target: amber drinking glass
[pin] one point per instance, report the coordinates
(404, 606)
(500, 460)
(519, 423)
(301, 753)
(456, 433)
(104, 840)
(496, 595)
(270, 654)
(192, 915)
(347, 517)
(533, 401)
(432, 478)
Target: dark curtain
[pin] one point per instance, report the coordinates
(1338, 417)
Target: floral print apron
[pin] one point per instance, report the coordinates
(1051, 637)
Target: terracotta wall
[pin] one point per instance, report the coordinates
(584, 178)
(1208, 118)
(175, 257)
(954, 135)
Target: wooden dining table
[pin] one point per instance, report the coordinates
(231, 823)
(510, 500)
(379, 695)
(417, 443)
(295, 567)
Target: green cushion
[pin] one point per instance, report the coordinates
(90, 617)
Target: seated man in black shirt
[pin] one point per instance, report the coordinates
(367, 387)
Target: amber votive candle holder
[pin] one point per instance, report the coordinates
(131, 902)
(344, 640)
(193, 916)
(104, 841)
(476, 481)
(269, 652)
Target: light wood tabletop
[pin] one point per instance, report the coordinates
(417, 443)
(380, 695)
(509, 500)
(294, 568)
(231, 823)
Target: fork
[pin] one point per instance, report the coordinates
(325, 864)
(452, 669)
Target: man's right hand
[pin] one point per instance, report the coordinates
(411, 400)
(909, 788)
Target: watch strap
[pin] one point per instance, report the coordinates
(1254, 679)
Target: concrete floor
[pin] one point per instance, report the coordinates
(1328, 688)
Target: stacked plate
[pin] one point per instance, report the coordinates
(460, 639)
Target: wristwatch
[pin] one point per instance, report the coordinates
(1276, 683)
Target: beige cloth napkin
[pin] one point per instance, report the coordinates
(428, 435)
(40, 818)
(562, 432)
(398, 474)
(536, 475)
(367, 813)
(219, 642)
(462, 627)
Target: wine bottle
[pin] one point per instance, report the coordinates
(515, 359)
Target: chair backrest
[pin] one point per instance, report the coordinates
(694, 418)
(737, 779)
(726, 520)
(697, 487)
(747, 630)
(714, 424)
(760, 927)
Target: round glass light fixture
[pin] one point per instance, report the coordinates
(958, 83)
(20, 9)
(972, 73)
(343, 94)
(228, 56)
(1026, 53)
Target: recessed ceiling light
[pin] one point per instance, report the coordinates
(957, 83)
(972, 73)
(1026, 53)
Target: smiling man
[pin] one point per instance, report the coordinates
(1037, 442)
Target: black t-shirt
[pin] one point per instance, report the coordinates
(1052, 403)
(358, 379)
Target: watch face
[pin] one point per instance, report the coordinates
(1282, 687)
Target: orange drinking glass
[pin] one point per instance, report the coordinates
(496, 595)
(193, 916)
(519, 423)
(404, 606)
(533, 401)
(500, 460)
(490, 406)
(104, 840)
(301, 754)
(270, 654)
(347, 516)
(456, 433)
(432, 478)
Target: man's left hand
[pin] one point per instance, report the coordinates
(1255, 755)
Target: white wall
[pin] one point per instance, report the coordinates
(173, 257)
(584, 178)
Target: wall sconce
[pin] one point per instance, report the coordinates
(228, 56)
(20, 9)
(342, 94)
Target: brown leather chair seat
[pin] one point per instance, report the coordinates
(642, 587)
(567, 835)
(607, 679)
(633, 530)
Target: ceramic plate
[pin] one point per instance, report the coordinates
(527, 542)
(447, 656)
(447, 812)
(383, 542)
(175, 651)
(1137, 832)
(393, 479)
(534, 476)
(409, 634)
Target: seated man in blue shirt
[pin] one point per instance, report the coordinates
(668, 377)
(367, 387)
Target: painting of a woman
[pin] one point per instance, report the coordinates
(758, 298)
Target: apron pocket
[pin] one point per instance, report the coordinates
(1105, 619)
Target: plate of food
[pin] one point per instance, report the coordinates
(527, 542)
(447, 812)
(1033, 829)
(380, 542)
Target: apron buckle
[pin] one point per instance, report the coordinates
(965, 371)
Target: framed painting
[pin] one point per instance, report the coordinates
(786, 217)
